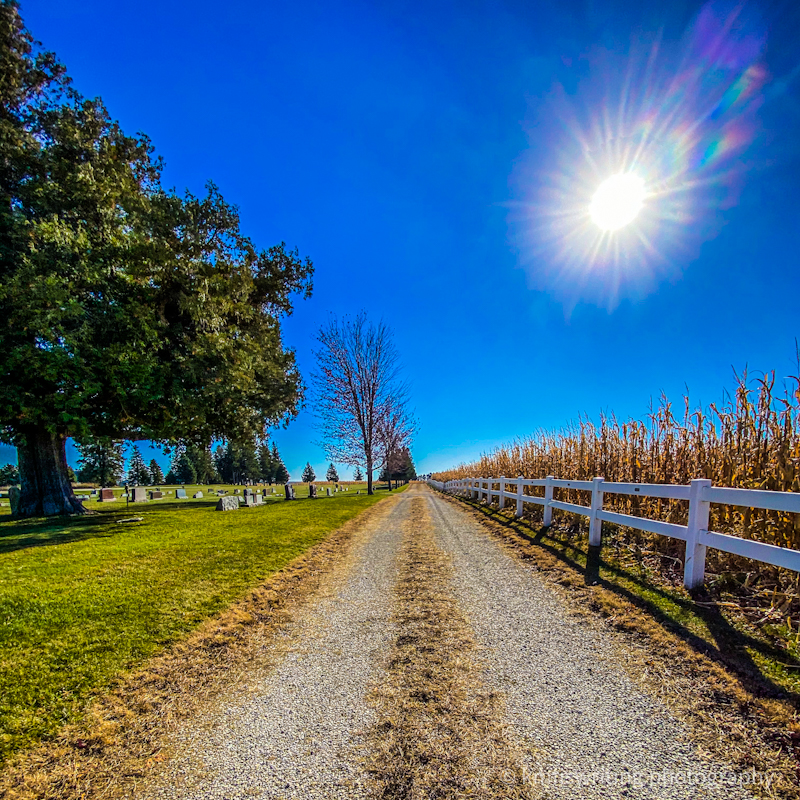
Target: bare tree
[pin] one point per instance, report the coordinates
(360, 400)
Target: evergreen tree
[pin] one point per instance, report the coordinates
(401, 466)
(170, 479)
(178, 451)
(222, 464)
(156, 475)
(275, 461)
(281, 473)
(410, 471)
(238, 462)
(203, 463)
(358, 476)
(9, 474)
(308, 475)
(332, 475)
(185, 471)
(138, 474)
(101, 461)
(266, 464)
(249, 468)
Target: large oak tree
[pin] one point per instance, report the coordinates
(126, 311)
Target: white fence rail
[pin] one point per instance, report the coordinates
(700, 494)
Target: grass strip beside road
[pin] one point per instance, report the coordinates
(439, 731)
(85, 599)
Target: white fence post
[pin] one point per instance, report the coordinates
(548, 496)
(595, 524)
(699, 493)
(694, 567)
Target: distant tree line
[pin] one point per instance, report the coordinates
(102, 461)
(399, 468)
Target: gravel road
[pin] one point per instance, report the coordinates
(580, 723)
(297, 733)
(580, 726)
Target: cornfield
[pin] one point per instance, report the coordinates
(750, 440)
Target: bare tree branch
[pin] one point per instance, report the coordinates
(359, 398)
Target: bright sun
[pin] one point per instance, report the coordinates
(617, 201)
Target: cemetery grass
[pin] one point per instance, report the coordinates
(83, 600)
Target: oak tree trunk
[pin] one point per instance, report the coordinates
(44, 483)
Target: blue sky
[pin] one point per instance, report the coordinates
(436, 161)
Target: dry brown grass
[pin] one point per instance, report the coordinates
(122, 737)
(751, 440)
(726, 719)
(439, 733)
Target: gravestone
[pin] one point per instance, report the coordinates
(274, 491)
(180, 494)
(259, 499)
(359, 491)
(83, 497)
(139, 495)
(312, 490)
(237, 491)
(156, 495)
(94, 491)
(14, 495)
(288, 490)
(293, 495)
(229, 503)
(106, 496)
(197, 495)
(220, 492)
(329, 492)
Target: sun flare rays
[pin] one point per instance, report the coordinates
(647, 151)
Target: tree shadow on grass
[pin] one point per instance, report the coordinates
(49, 531)
(728, 645)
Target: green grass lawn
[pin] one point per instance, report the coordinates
(84, 599)
(209, 493)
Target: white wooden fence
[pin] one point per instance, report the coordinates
(700, 494)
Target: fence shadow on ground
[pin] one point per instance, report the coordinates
(728, 645)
